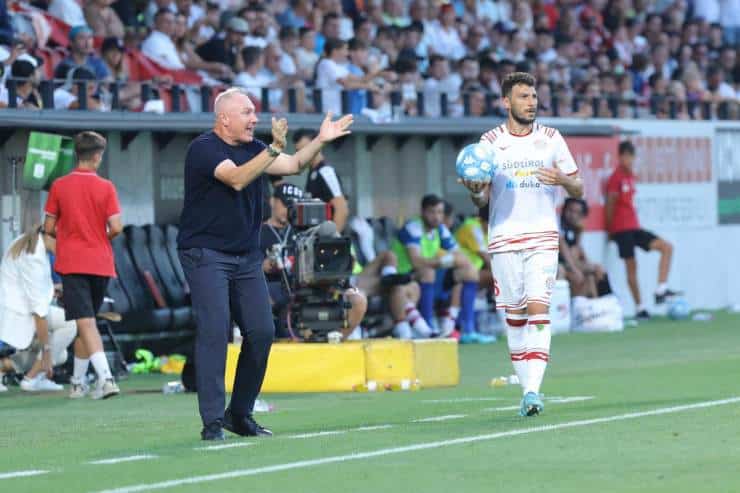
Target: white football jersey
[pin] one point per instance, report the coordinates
(522, 210)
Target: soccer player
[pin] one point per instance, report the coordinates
(624, 228)
(426, 247)
(531, 161)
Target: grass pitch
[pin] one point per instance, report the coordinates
(653, 409)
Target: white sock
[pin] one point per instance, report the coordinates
(388, 270)
(402, 330)
(516, 337)
(100, 363)
(356, 334)
(80, 370)
(538, 351)
(662, 288)
(416, 320)
(454, 311)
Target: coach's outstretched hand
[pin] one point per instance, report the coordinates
(332, 130)
(279, 132)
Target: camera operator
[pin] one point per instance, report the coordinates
(277, 240)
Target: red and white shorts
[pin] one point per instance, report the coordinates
(524, 276)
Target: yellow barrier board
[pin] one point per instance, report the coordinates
(296, 367)
(436, 362)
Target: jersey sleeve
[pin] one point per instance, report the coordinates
(447, 241)
(112, 207)
(331, 183)
(52, 202)
(204, 158)
(410, 234)
(563, 158)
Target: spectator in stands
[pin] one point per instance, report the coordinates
(102, 19)
(82, 210)
(155, 6)
(68, 95)
(193, 13)
(427, 248)
(226, 48)
(409, 84)
(306, 57)
(585, 278)
(129, 92)
(260, 23)
(81, 53)
(330, 29)
(277, 241)
(322, 181)
(191, 59)
(730, 21)
(297, 14)
(624, 229)
(25, 70)
(253, 78)
(443, 38)
(333, 75)
(288, 42)
(160, 45)
(441, 81)
(28, 320)
(68, 11)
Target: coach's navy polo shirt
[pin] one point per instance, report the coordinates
(214, 215)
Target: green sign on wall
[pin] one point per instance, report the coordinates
(48, 157)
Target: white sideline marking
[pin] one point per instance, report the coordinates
(117, 460)
(412, 448)
(372, 428)
(434, 419)
(22, 474)
(228, 445)
(462, 399)
(318, 434)
(550, 400)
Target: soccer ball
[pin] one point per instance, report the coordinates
(679, 309)
(475, 162)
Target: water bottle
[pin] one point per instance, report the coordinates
(173, 388)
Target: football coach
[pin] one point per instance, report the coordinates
(218, 246)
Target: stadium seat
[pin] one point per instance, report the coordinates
(138, 244)
(141, 301)
(176, 292)
(170, 233)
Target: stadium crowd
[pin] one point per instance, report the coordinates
(381, 58)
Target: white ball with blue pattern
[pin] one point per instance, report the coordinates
(679, 309)
(475, 162)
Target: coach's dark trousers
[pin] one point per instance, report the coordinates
(226, 287)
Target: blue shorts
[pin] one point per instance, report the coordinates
(444, 280)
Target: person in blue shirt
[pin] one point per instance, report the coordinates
(81, 51)
(426, 247)
(219, 248)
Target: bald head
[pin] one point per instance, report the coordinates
(235, 116)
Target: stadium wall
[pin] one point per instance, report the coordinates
(689, 191)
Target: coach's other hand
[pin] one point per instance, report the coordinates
(279, 132)
(332, 130)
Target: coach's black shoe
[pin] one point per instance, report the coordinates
(213, 432)
(642, 316)
(244, 426)
(661, 298)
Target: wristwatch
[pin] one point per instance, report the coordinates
(272, 151)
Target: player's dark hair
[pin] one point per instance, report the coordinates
(626, 147)
(430, 200)
(303, 133)
(571, 200)
(514, 79)
(88, 144)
